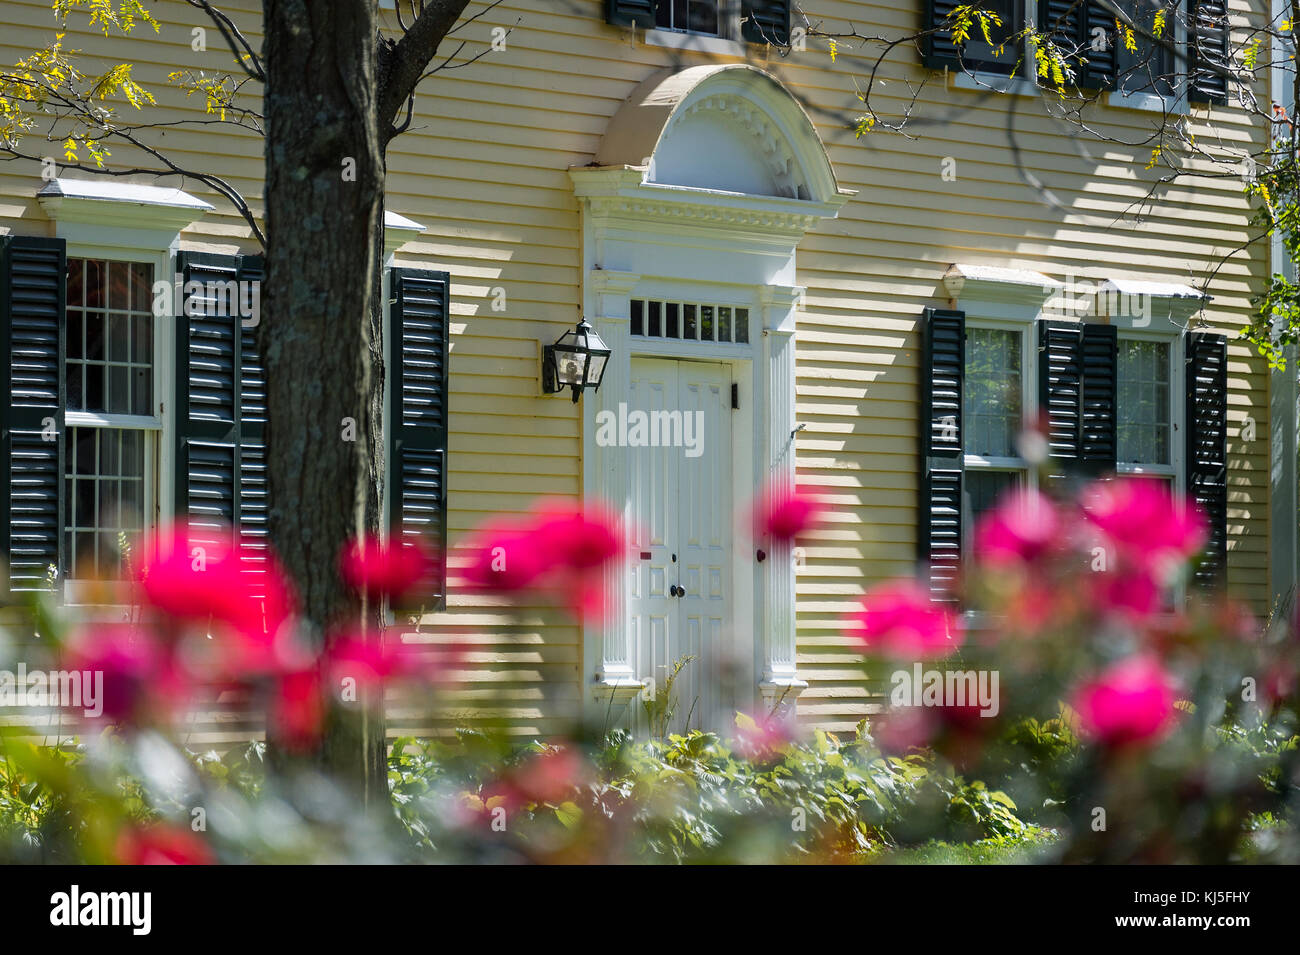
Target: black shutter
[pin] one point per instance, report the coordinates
(1208, 35)
(1098, 445)
(253, 514)
(33, 291)
(626, 12)
(1071, 26)
(1077, 392)
(417, 420)
(220, 404)
(1060, 388)
(1100, 70)
(766, 21)
(1207, 448)
(943, 373)
(937, 48)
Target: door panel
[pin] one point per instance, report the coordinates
(681, 490)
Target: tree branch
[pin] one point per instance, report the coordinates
(248, 59)
(402, 64)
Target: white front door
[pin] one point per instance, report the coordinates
(678, 437)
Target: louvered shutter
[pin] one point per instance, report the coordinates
(1207, 51)
(253, 514)
(766, 21)
(1060, 388)
(624, 13)
(1207, 448)
(1077, 391)
(33, 291)
(417, 431)
(943, 372)
(220, 406)
(937, 48)
(1098, 444)
(1073, 26)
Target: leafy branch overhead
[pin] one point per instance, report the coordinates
(59, 113)
(1175, 57)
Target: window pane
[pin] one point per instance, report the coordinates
(1144, 412)
(704, 16)
(983, 491)
(104, 484)
(991, 403)
(109, 358)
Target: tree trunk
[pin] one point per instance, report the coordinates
(324, 188)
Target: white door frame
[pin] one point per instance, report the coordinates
(762, 455)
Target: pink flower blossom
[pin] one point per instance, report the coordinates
(371, 663)
(902, 729)
(898, 619)
(143, 682)
(392, 570)
(1133, 594)
(161, 844)
(506, 558)
(577, 538)
(1129, 702)
(1141, 518)
(760, 735)
(296, 715)
(1023, 528)
(192, 578)
(785, 516)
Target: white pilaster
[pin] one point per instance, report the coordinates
(781, 683)
(614, 670)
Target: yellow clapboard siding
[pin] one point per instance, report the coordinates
(484, 169)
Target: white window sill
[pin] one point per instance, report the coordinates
(1024, 86)
(716, 45)
(1149, 102)
(993, 83)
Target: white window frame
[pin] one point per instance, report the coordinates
(728, 28)
(109, 219)
(1177, 409)
(1025, 83)
(1025, 472)
(1006, 300)
(159, 487)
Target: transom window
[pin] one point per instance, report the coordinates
(690, 321)
(112, 432)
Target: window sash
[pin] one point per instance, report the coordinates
(81, 589)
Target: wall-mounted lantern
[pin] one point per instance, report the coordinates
(576, 361)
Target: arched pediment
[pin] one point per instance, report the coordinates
(729, 128)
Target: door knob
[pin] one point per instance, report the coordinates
(677, 591)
